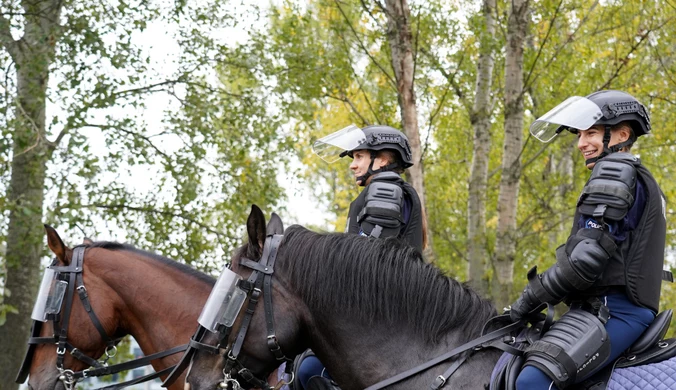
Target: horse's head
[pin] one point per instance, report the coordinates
(62, 328)
(253, 338)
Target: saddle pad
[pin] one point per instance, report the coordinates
(655, 376)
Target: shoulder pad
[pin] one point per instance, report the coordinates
(386, 176)
(382, 205)
(627, 158)
(609, 193)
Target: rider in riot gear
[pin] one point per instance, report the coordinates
(609, 270)
(387, 206)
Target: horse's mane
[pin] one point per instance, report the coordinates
(116, 246)
(379, 280)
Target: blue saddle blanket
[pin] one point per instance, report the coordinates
(654, 376)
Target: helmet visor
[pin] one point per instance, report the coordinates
(333, 145)
(575, 112)
(50, 296)
(224, 303)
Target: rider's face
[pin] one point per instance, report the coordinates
(590, 142)
(360, 163)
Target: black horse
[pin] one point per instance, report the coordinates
(369, 308)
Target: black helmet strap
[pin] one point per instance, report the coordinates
(370, 172)
(608, 149)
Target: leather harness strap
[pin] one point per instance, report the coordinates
(440, 381)
(76, 283)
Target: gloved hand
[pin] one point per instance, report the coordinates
(526, 303)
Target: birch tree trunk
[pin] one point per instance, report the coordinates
(401, 44)
(505, 247)
(32, 55)
(477, 253)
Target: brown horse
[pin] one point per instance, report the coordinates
(152, 298)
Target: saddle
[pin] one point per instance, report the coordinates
(650, 348)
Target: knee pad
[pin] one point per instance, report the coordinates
(575, 346)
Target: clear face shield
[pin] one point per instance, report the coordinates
(575, 112)
(50, 296)
(331, 147)
(224, 303)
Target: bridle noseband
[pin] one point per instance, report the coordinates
(259, 283)
(72, 274)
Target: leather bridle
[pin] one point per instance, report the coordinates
(72, 274)
(259, 283)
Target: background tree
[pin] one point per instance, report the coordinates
(505, 245)
(79, 150)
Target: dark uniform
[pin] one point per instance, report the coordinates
(610, 269)
(387, 207)
(401, 217)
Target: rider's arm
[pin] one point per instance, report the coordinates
(607, 197)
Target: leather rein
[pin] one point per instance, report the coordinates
(259, 283)
(72, 273)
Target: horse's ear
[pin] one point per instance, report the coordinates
(255, 228)
(275, 225)
(56, 245)
(87, 241)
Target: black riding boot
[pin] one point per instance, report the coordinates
(320, 383)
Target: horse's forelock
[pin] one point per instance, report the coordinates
(378, 280)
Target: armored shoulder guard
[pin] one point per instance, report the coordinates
(609, 193)
(382, 212)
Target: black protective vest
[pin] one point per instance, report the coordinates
(412, 230)
(637, 264)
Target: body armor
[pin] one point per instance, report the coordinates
(411, 230)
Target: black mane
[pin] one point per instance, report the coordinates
(379, 280)
(116, 246)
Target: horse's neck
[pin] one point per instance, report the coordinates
(356, 357)
(161, 304)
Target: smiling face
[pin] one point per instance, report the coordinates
(361, 160)
(590, 141)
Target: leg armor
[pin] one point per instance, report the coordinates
(575, 346)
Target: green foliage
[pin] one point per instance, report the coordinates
(218, 152)
(329, 62)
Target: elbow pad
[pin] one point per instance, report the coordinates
(579, 264)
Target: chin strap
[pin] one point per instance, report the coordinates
(608, 149)
(370, 172)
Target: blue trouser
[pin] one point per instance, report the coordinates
(626, 323)
(309, 367)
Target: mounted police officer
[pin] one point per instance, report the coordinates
(387, 206)
(610, 269)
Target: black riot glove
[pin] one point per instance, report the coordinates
(527, 302)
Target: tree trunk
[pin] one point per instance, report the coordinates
(400, 39)
(32, 55)
(477, 246)
(506, 240)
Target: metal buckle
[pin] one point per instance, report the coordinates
(439, 382)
